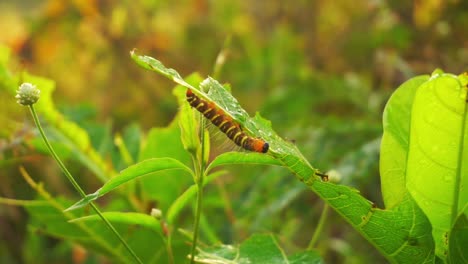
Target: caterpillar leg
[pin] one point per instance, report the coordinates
(323, 176)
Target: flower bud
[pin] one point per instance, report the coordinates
(156, 213)
(27, 94)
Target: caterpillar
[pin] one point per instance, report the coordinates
(226, 124)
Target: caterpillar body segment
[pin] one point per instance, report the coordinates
(226, 124)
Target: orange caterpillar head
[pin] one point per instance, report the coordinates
(258, 145)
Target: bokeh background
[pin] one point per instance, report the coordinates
(321, 71)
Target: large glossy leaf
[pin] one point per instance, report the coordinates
(405, 241)
(395, 141)
(423, 149)
(438, 148)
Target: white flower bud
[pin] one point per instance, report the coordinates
(156, 213)
(27, 94)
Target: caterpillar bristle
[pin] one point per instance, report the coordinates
(226, 124)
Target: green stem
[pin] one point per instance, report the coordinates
(197, 218)
(76, 185)
(170, 253)
(461, 158)
(221, 58)
(319, 227)
(199, 178)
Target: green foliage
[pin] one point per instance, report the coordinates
(411, 240)
(256, 249)
(320, 71)
(68, 132)
(131, 173)
(49, 217)
(458, 239)
(424, 148)
(424, 115)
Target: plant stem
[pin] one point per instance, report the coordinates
(221, 58)
(197, 218)
(199, 178)
(456, 193)
(319, 227)
(76, 185)
(170, 253)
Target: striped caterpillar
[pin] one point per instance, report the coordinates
(226, 124)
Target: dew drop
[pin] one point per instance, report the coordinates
(448, 178)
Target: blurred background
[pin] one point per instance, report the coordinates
(321, 71)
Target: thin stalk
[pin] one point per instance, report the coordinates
(318, 229)
(221, 58)
(199, 178)
(197, 219)
(461, 158)
(85, 228)
(170, 253)
(77, 186)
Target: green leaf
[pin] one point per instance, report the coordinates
(128, 146)
(165, 186)
(69, 133)
(140, 169)
(286, 152)
(230, 158)
(438, 145)
(307, 257)
(130, 218)
(187, 121)
(48, 217)
(181, 201)
(225, 254)
(458, 239)
(422, 150)
(259, 249)
(407, 241)
(402, 234)
(152, 64)
(395, 141)
(262, 249)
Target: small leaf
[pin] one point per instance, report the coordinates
(187, 196)
(458, 239)
(165, 186)
(140, 169)
(187, 121)
(152, 64)
(307, 257)
(261, 249)
(220, 254)
(230, 158)
(139, 219)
